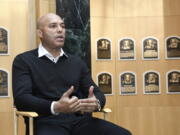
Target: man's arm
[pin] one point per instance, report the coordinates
(23, 90)
(94, 95)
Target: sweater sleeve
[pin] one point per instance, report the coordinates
(24, 99)
(86, 82)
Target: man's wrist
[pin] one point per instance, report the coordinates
(52, 108)
(99, 105)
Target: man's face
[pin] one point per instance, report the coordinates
(52, 32)
(127, 77)
(126, 43)
(150, 43)
(151, 77)
(174, 43)
(174, 76)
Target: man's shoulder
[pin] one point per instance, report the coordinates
(27, 55)
(74, 57)
(33, 52)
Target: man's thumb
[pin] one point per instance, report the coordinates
(91, 91)
(69, 91)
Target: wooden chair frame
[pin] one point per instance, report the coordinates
(32, 115)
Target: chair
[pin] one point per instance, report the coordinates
(32, 115)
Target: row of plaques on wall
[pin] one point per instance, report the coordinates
(151, 82)
(127, 82)
(127, 48)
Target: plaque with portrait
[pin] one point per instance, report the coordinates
(172, 47)
(151, 83)
(3, 41)
(3, 83)
(127, 49)
(103, 49)
(127, 83)
(105, 83)
(150, 49)
(173, 81)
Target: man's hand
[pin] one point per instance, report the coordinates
(89, 104)
(66, 104)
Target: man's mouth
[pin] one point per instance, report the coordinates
(60, 38)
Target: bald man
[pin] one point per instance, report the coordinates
(58, 86)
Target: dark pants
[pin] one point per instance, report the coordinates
(87, 126)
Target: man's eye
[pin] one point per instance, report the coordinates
(63, 26)
(52, 26)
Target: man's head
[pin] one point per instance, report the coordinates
(150, 43)
(51, 31)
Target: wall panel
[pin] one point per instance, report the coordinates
(128, 8)
(102, 8)
(15, 18)
(142, 114)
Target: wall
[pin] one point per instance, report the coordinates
(115, 19)
(19, 18)
(142, 114)
(13, 17)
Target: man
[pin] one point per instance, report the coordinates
(58, 86)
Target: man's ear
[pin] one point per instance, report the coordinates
(39, 33)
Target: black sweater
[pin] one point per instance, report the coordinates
(38, 81)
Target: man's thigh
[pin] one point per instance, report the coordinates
(51, 129)
(95, 126)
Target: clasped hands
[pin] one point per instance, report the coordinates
(67, 104)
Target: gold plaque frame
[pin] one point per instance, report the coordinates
(103, 49)
(105, 82)
(150, 48)
(172, 47)
(173, 81)
(4, 83)
(151, 82)
(126, 49)
(127, 83)
(4, 41)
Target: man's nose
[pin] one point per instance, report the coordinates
(59, 28)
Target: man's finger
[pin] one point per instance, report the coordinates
(88, 100)
(69, 91)
(88, 104)
(91, 92)
(75, 106)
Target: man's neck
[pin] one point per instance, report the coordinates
(55, 51)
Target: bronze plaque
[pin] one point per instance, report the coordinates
(3, 41)
(103, 49)
(126, 49)
(105, 83)
(174, 82)
(128, 83)
(173, 47)
(3, 84)
(150, 48)
(151, 83)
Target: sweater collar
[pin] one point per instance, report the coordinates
(43, 52)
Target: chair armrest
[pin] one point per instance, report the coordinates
(28, 114)
(106, 110)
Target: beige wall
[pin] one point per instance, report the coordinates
(13, 17)
(115, 19)
(19, 18)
